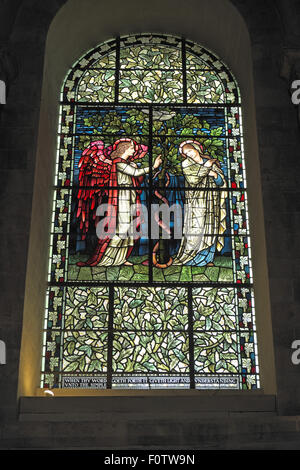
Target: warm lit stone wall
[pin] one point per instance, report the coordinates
(269, 422)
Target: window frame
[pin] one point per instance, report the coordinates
(68, 99)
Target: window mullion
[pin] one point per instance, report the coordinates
(191, 338)
(117, 74)
(110, 337)
(150, 197)
(184, 83)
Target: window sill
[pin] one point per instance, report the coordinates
(95, 405)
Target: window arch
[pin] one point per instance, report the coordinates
(156, 323)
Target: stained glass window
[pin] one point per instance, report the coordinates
(150, 282)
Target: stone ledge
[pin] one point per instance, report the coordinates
(93, 408)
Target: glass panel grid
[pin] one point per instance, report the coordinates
(121, 89)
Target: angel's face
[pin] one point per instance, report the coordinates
(129, 152)
(190, 152)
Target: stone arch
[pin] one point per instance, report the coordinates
(87, 26)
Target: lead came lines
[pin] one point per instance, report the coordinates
(65, 227)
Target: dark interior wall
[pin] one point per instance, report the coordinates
(273, 29)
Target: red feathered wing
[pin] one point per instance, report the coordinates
(94, 177)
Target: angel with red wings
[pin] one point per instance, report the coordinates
(103, 172)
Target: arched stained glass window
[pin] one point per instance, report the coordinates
(150, 280)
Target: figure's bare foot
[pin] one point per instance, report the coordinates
(210, 264)
(127, 263)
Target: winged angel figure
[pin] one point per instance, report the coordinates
(110, 175)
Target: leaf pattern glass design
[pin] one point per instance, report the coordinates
(204, 87)
(150, 86)
(216, 352)
(84, 351)
(150, 352)
(149, 57)
(97, 86)
(150, 309)
(106, 62)
(151, 323)
(194, 62)
(86, 308)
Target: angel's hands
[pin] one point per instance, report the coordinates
(213, 173)
(210, 162)
(158, 162)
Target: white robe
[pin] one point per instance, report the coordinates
(204, 211)
(115, 253)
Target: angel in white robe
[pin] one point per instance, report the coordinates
(204, 208)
